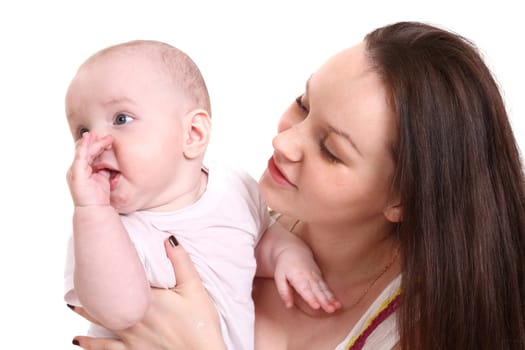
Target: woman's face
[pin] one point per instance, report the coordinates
(332, 162)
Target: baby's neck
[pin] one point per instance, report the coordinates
(192, 195)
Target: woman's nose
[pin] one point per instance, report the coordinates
(288, 143)
(289, 119)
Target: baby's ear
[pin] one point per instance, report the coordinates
(197, 132)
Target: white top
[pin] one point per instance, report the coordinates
(219, 232)
(386, 335)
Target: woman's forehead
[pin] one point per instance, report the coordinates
(350, 62)
(350, 96)
(346, 78)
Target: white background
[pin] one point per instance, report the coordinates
(255, 57)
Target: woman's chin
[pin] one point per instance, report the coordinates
(266, 187)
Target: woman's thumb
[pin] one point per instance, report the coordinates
(182, 265)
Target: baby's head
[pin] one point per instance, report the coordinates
(151, 98)
(156, 61)
(171, 62)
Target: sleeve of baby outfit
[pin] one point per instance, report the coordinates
(258, 207)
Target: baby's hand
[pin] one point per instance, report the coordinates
(88, 187)
(296, 268)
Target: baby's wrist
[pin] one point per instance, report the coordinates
(90, 206)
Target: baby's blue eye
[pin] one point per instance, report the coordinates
(81, 131)
(122, 118)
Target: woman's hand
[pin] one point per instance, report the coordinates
(181, 318)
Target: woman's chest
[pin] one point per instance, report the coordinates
(293, 333)
(279, 328)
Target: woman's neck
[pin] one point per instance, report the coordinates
(351, 259)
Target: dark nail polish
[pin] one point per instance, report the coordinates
(173, 241)
(71, 307)
(75, 342)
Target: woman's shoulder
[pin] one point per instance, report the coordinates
(377, 328)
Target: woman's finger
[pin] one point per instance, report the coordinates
(82, 312)
(191, 309)
(90, 343)
(182, 265)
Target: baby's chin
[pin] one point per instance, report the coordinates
(122, 206)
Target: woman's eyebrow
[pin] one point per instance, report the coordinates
(335, 130)
(345, 136)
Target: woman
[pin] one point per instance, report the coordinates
(399, 168)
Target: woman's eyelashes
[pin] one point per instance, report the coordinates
(322, 143)
(300, 104)
(326, 152)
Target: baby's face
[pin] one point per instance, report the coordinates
(128, 97)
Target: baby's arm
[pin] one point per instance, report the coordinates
(110, 281)
(285, 257)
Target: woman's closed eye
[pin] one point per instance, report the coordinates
(121, 119)
(299, 102)
(327, 153)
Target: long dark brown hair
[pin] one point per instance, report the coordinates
(462, 189)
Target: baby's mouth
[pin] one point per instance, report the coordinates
(112, 175)
(105, 172)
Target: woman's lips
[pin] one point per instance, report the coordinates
(277, 175)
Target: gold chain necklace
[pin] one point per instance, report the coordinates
(376, 278)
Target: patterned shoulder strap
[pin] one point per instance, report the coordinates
(388, 307)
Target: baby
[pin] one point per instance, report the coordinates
(140, 116)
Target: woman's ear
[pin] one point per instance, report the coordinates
(394, 213)
(197, 132)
